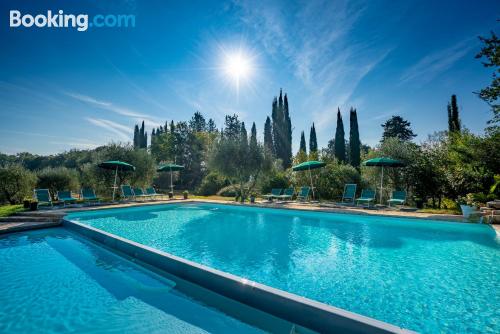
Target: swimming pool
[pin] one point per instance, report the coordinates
(424, 275)
(52, 281)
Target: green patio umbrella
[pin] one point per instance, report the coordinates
(170, 168)
(383, 162)
(116, 165)
(308, 165)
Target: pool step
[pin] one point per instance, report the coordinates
(9, 227)
(22, 218)
(23, 221)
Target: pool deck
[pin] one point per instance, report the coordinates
(52, 217)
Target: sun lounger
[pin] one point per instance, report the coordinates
(349, 194)
(274, 193)
(88, 195)
(139, 193)
(398, 198)
(65, 197)
(152, 193)
(127, 192)
(43, 196)
(287, 194)
(303, 194)
(367, 196)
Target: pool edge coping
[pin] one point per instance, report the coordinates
(242, 290)
(342, 210)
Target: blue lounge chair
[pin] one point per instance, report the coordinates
(139, 193)
(43, 196)
(287, 194)
(88, 195)
(152, 193)
(303, 194)
(65, 197)
(349, 194)
(127, 192)
(367, 196)
(275, 192)
(398, 198)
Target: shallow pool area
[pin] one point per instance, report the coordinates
(423, 275)
(53, 281)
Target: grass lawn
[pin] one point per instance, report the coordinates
(441, 211)
(8, 210)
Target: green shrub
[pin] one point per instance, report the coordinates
(16, 183)
(277, 180)
(330, 180)
(58, 178)
(447, 203)
(229, 191)
(211, 184)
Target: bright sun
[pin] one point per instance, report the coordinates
(238, 66)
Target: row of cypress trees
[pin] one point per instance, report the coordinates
(313, 141)
(278, 130)
(140, 137)
(354, 141)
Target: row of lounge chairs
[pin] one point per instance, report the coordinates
(65, 196)
(136, 193)
(288, 193)
(87, 195)
(367, 196)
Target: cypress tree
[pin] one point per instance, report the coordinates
(243, 142)
(254, 154)
(282, 130)
(268, 136)
(287, 152)
(141, 136)
(276, 128)
(354, 142)
(450, 119)
(253, 135)
(136, 136)
(340, 138)
(145, 142)
(313, 142)
(303, 143)
(454, 114)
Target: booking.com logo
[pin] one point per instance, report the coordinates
(61, 20)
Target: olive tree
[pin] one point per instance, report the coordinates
(16, 183)
(240, 160)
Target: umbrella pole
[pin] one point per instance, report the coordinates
(310, 176)
(114, 186)
(381, 184)
(171, 183)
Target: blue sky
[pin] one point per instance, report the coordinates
(62, 89)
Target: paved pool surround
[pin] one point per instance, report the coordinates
(302, 311)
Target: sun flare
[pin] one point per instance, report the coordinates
(238, 66)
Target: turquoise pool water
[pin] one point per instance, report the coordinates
(52, 281)
(428, 276)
